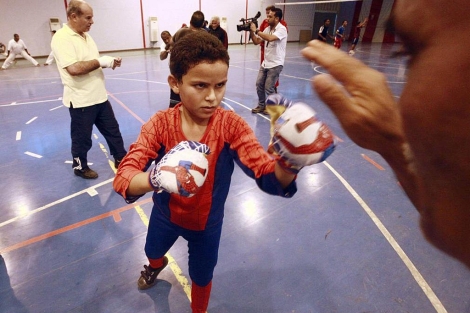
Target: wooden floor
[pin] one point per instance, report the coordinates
(348, 241)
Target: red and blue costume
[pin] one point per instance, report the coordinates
(197, 219)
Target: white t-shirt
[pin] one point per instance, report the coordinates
(275, 51)
(16, 47)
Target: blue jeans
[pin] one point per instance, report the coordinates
(267, 78)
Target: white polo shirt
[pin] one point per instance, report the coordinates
(83, 90)
(275, 51)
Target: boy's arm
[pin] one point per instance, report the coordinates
(284, 177)
(139, 185)
(364, 22)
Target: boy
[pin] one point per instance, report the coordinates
(339, 36)
(199, 68)
(357, 34)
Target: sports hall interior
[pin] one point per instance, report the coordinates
(348, 241)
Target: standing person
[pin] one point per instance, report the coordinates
(199, 70)
(165, 48)
(167, 43)
(81, 70)
(17, 46)
(275, 40)
(218, 31)
(357, 34)
(339, 36)
(196, 24)
(323, 31)
(423, 135)
(50, 58)
(262, 27)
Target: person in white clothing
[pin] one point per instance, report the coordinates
(16, 46)
(50, 58)
(274, 38)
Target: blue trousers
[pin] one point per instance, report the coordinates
(203, 246)
(266, 81)
(81, 128)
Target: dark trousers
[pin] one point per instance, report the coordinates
(203, 246)
(81, 128)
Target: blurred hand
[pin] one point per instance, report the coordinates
(359, 97)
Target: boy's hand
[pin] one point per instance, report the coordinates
(298, 138)
(182, 170)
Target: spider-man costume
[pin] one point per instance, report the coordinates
(198, 219)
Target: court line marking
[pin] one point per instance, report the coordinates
(436, 303)
(114, 214)
(408, 263)
(55, 203)
(418, 277)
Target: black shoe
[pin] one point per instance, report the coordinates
(148, 278)
(117, 162)
(258, 109)
(87, 173)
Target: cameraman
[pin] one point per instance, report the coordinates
(274, 39)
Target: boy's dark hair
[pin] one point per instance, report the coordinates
(197, 19)
(277, 13)
(270, 8)
(194, 48)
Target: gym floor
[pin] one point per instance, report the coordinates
(348, 241)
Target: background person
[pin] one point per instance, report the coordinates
(16, 46)
(165, 48)
(357, 34)
(80, 67)
(275, 40)
(50, 58)
(217, 31)
(262, 27)
(323, 31)
(339, 36)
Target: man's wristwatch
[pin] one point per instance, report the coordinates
(256, 32)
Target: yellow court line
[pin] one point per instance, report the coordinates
(173, 265)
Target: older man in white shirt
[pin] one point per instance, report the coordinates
(16, 46)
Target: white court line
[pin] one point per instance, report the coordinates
(413, 270)
(29, 102)
(87, 190)
(33, 154)
(406, 260)
(31, 120)
(60, 106)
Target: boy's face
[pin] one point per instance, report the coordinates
(201, 89)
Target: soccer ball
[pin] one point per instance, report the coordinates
(300, 137)
(351, 52)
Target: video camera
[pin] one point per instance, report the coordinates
(245, 26)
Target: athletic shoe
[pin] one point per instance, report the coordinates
(148, 277)
(87, 173)
(258, 109)
(117, 162)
